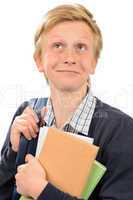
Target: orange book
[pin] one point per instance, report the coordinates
(67, 161)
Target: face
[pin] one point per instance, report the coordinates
(67, 57)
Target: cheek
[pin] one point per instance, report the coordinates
(50, 60)
(88, 64)
(46, 60)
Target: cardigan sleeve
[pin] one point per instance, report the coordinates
(51, 192)
(8, 161)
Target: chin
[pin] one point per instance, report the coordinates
(69, 85)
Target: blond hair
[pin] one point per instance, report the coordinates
(62, 13)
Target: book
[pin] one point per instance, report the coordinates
(72, 159)
(24, 198)
(67, 160)
(97, 172)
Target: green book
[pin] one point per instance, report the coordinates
(96, 174)
(24, 198)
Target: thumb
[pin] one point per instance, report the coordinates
(43, 112)
(28, 158)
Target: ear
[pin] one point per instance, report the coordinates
(38, 61)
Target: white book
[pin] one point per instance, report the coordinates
(43, 134)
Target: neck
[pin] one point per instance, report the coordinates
(65, 103)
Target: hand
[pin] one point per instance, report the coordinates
(31, 178)
(26, 124)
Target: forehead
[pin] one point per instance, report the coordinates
(70, 30)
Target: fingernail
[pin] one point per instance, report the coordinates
(34, 136)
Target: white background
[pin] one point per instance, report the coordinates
(19, 79)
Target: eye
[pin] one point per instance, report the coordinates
(58, 45)
(81, 47)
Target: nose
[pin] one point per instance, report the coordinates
(70, 57)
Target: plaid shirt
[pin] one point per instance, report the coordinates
(81, 118)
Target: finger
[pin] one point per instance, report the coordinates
(23, 129)
(29, 157)
(20, 167)
(42, 115)
(29, 121)
(17, 128)
(29, 110)
(15, 139)
(27, 126)
(31, 116)
(33, 124)
(32, 131)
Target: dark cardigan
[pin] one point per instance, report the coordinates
(112, 130)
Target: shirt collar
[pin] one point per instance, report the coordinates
(81, 118)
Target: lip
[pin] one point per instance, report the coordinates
(68, 71)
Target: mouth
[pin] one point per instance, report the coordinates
(68, 71)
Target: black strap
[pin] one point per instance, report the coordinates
(36, 104)
(27, 146)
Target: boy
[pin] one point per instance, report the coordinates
(67, 48)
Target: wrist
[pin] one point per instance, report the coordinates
(40, 189)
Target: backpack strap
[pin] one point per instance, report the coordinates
(27, 146)
(38, 103)
(24, 147)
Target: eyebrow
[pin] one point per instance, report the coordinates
(81, 40)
